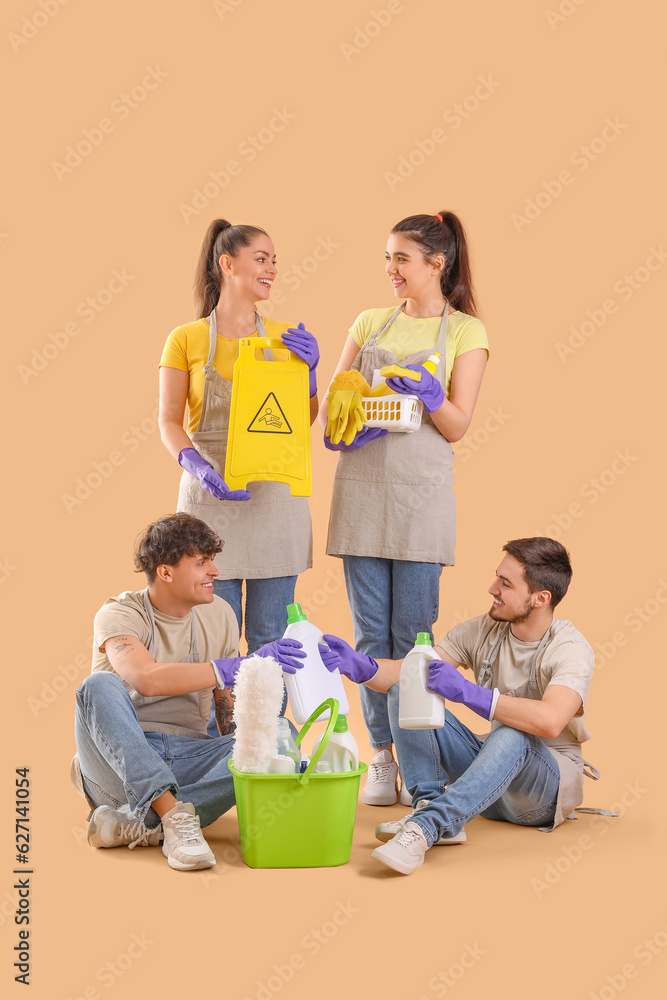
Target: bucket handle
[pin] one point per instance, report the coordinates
(333, 706)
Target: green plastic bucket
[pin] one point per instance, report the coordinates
(298, 820)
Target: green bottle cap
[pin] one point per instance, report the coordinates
(295, 614)
(423, 639)
(340, 725)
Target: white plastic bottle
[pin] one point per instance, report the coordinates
(341, 751)
(287, 748)
(417, 707)
(313, 683)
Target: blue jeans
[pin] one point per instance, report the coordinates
(510, 776)
(391, 600)
(121, 764)
(265, 615)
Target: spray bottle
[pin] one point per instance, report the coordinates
(417, 707)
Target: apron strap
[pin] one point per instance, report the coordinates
(592, 772)
(372, 340)
(193, 654)
(485, 678)
(594, 812)
(260, 330)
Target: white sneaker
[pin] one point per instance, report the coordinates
(404, 852)
(184, 846)
(385, 831)
(381, 785)
(117, 828)
(404, 796)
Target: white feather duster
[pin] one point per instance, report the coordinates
(258, 694)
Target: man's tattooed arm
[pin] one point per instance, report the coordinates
(224, 707)
(123, 644)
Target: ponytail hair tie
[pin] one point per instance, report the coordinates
(438, 216)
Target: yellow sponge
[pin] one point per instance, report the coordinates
(353, 380)
(397, 371)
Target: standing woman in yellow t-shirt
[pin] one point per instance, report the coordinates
(393, 517)
(266, 532)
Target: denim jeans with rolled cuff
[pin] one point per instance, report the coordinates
(510, 776)
(121, 764)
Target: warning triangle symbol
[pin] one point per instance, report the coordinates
(270, 418)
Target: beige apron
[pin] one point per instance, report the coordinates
(265, 537)
(568, 756)
(393, 498)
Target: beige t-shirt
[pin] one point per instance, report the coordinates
(566, 660)
(217, 636)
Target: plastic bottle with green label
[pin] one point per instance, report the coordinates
(312, 683)
(417, 707)
(341, 752)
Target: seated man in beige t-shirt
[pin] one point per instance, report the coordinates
(532, 673)
(161, 655)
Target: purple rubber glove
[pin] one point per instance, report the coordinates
(304, 345)
(211, 481)
(446, 681)
(338, 655)
(282, 650)
(429, 389)
(365, 435)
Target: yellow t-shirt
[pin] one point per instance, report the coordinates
(187, 349)
(409, 334)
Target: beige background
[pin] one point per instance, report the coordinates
(557, 915)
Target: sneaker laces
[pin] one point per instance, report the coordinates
(186, 826)
(136, 832)
(381, 772)
(406, 838)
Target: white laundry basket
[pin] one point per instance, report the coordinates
(394, 413)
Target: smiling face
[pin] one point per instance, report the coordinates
(512, 600)
(411, 275)
(252, 272)
(190, 579)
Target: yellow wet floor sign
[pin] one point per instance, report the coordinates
(269, 422)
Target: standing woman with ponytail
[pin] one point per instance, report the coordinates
(393, 517)
(266, 531)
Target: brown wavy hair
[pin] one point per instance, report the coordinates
(168, 539)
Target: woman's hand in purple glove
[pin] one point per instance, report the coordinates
(304, 345)
(365, 435)
(445, 680)
(211, 481)
(284, 651)
(339, 655)
(429, 390)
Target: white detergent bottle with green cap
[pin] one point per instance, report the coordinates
(312, 683)
(417, 707)
(341, 752)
